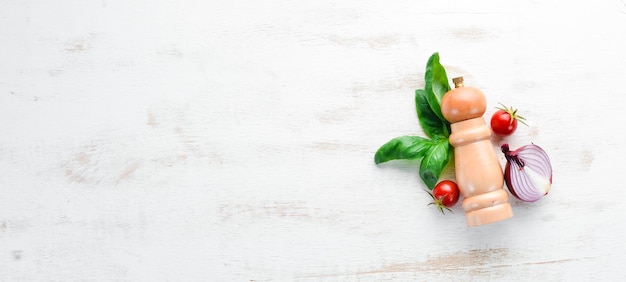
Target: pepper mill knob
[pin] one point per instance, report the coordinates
(458, 81)
(478, 171)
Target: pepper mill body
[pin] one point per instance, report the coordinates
(478, 171)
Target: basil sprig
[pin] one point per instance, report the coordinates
(435, 151)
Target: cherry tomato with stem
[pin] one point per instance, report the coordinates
(445, 195)
(504, 121)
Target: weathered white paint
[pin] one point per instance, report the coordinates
(234, 140)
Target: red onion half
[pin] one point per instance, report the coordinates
(528, 172)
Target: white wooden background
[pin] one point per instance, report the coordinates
(234, 140)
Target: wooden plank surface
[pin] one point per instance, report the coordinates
(234, 140)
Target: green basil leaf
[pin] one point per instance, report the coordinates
(436, 84)
(430, 123)
(404, 147)
(435, 161)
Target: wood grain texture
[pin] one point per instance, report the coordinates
(234, 140)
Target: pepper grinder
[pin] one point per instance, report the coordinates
(478, 171)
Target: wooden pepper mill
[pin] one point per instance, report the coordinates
(478, 171)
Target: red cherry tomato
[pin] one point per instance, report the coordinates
(504, 121)
(445, 195)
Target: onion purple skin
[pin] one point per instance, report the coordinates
(527, 159)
